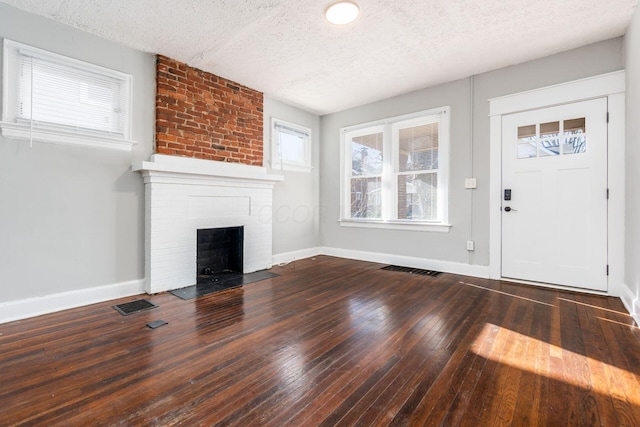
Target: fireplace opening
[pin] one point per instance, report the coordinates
(219, 263)
(219, 254)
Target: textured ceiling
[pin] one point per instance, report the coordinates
(287, 50)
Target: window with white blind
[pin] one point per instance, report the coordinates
(53, 98)
(395, 172)
(290, 146)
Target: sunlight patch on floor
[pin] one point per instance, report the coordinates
(530, 361)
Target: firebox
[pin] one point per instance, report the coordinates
(220, 250)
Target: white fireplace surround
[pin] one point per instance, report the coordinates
(183, 195)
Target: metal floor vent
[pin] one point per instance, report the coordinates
(134, 306)
(411, 270)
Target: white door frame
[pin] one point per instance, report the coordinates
(611, 86)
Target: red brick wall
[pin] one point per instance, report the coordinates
(201, 115)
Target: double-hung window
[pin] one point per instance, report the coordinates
(395, 172)
(53, 98)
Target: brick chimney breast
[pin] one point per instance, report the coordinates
(204, 116)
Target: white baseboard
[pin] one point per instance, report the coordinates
(631, 302)
(407, 261)
(31, 307)
(287, 257)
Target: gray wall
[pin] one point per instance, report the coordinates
(430, 245)
(468, 209)
(73, 217)
(296, 199)
(632, 234)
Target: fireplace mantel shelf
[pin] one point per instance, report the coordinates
(185, 167)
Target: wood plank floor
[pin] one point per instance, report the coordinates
(330, 342)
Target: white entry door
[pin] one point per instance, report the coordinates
(554, 171)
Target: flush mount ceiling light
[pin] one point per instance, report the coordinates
(342, 12)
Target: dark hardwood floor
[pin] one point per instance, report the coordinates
(330, 342)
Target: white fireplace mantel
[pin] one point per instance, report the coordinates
(183, 195)
(184, 168)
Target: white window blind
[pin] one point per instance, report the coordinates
(299, 132)
(50, 93)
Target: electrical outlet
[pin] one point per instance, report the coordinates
(470, 183)
(470, 245)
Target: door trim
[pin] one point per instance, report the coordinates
(611, 86)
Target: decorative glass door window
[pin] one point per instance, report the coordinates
(556, 138)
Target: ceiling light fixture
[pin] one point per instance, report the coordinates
(342, 12)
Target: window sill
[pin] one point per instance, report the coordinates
(60, 136)
(397, 225)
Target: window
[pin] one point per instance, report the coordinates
(546, 139)
(52, 98)
(290, 146)
(366, 165)
(395, 172)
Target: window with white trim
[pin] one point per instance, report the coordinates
(290, 146)
(53, 98)
(395, 172)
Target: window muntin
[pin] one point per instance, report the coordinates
(290, 146)
(53, 98)
(396, 171)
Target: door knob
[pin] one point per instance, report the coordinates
(509, 209)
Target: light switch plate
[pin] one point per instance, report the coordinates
(470, 183)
